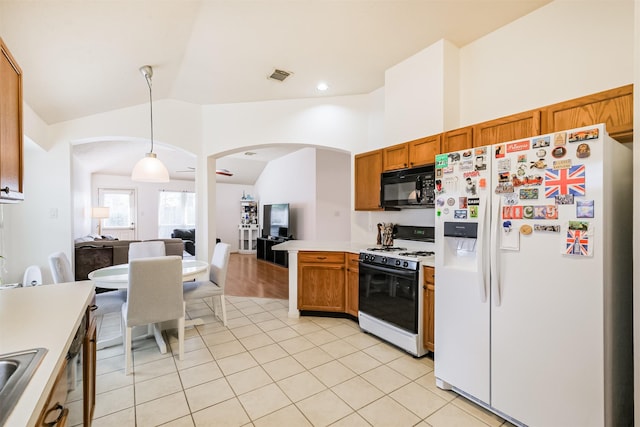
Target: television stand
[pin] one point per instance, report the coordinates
(265, 252)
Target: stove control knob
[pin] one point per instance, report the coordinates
(384, 260)
(405, 264)
(398, 262)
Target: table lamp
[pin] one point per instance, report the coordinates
(100, 213)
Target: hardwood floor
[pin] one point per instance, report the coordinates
(248, 276)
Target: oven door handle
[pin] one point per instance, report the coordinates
(388, 270)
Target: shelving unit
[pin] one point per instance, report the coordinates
(248, 228)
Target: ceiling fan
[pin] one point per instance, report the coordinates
(225, 172)
(189, 169)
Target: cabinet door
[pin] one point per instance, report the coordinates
(423, 151)
(89, 372)
(510, 128)
(458, 139)
(368, 167)
(352, 284)
(54, 412)
(429, 309)
(613, 107)
(321, 281)
(395, 157)
(11, 161)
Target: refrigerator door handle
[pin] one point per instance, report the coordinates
(482, 257)
(495, 278)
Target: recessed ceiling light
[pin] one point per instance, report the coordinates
(322, 86)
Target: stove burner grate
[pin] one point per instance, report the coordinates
(418, 253)
(386, 249)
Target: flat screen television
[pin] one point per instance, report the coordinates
(276, 220)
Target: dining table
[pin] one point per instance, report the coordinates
(117, 277)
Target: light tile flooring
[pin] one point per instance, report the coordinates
(265, 369)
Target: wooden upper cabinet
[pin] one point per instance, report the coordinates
(11, 154)
(509, 128)
(458, 139)
(395, 157)
(368, 167)
(613, 107)
(423, 151)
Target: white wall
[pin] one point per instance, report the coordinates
(333, 195)
(414, 96)
(147, 195)
(228, 211)
(561, 51)
(41, 224)
(291, 179)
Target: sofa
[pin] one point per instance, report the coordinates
(189, 237)
(94, 254)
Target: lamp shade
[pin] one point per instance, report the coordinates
(150, 169)
(100, 212)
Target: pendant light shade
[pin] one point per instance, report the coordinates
(149, 168)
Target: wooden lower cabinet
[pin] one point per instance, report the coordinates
(55, 413)
(352, 284)
(89, 353)
(428, 317)
(321, 281)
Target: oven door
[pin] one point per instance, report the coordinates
(389, 294)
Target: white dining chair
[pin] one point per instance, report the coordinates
(154, 296)
(214, 287)
(60, 268)
(32, 276)
(149, 249)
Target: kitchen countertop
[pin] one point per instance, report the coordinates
(335, 246)
(41, 316)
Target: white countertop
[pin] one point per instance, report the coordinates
(334, 246)
(41, 316)
(316, 245)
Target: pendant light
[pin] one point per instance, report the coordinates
(149, 168)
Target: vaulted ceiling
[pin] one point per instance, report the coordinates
(82, 57)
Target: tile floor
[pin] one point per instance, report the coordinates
(265, 369)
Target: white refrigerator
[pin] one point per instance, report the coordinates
(533, 302)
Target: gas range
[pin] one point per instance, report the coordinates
(398, 257)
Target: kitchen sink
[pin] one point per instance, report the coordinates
(16, 369)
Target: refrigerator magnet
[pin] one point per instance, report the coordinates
(560, 139)
(526, 229)
(504, 165)
(577, 243)
(538, 164)
(499, 151)
(460, 214)
(584, 135)
(558, 152)
(565, 181)
(529, 194)
(552, 228)
(564, 199)
(543, 141)
(583, 151)
(473, 211)
(584, 209)
(462, 202)
(442, 161)
(579, 225)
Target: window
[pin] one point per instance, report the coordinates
(122, 212)
(176, 209)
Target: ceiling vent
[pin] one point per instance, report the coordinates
(279, 75)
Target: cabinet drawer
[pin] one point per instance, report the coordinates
(323, 257)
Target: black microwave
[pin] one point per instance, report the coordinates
(408, 188)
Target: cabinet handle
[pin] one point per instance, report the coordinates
(321, 257)
(6, 189)
(63, 413)
(93, 307)
(424, 287)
